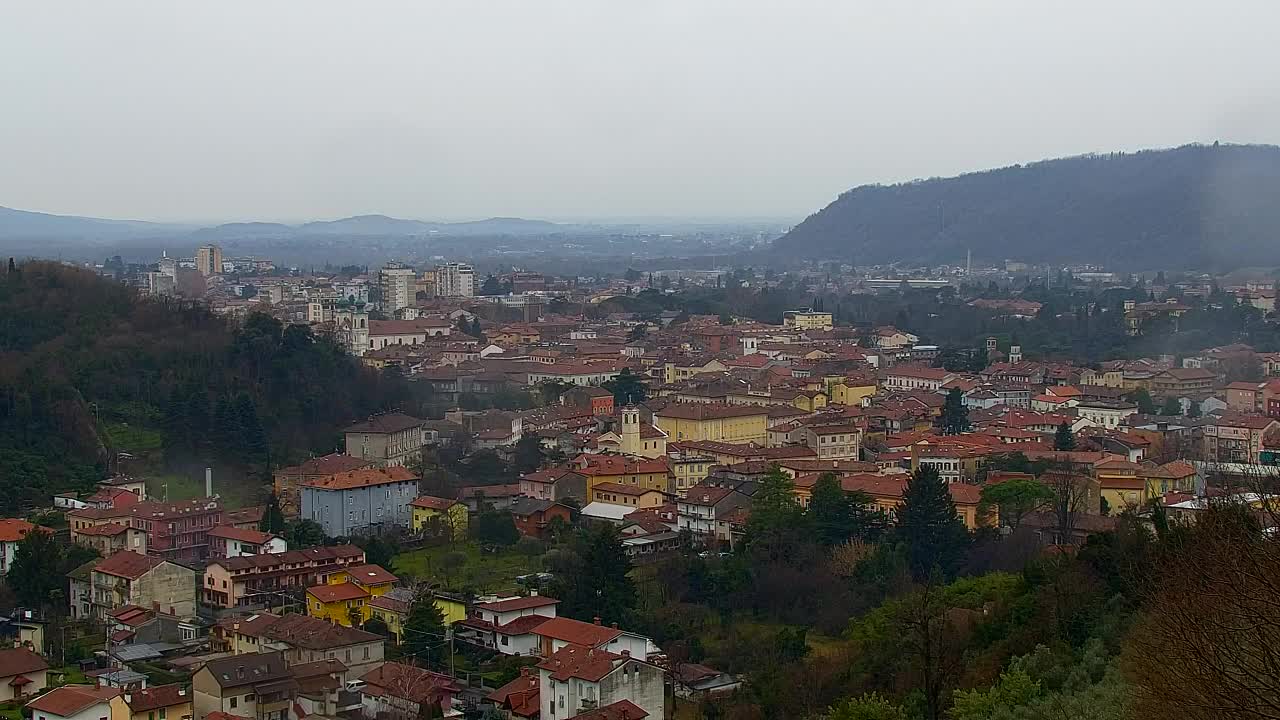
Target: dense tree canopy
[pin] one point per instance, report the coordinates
(91, 369)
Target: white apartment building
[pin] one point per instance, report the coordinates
(398, 287)
(455, 280)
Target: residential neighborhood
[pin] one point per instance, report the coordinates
(549, 528)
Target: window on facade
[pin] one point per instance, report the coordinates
(235, 702)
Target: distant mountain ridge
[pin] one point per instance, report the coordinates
(36, 225)
(1196, 206)
(28, 225)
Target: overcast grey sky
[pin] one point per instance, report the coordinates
(445, 110)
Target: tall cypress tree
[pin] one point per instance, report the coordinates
(774, 528)
(1064, 439)
(955, 414)
(830, 511)
(928, 525)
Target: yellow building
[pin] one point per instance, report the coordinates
(636, 472)
(633, 496)
(1112, 378)
(343, 603)
(737, 424)
(1124, 485)
(689, 471)
(810, 400)
(393, 609)
(851, 392)
(807, 320)
(676, 371)
(440, 517)
(346, 593)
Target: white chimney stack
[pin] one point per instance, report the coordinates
(208, 482)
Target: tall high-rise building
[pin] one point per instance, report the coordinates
(209, 260)
(398, 287)
(455, 280)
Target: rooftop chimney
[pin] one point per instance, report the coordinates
(596, 619)
(613, 625)
(128, 698)
(208, 482)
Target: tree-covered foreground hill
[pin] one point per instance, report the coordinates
(89, 369)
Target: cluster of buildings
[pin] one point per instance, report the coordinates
(725, 403)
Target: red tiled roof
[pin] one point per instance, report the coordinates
(370, 575)
(325, 465)
(708, 411)
(520, 696)
(19, 661)
(157, 696)
(522, 625)
(253, 537)
(384, 424)
(127, 564)
(13, 529)
(71, 699)
(363, 478)
(105, 529)
(578, 661)
(917, 371)
(621, 710)
(433, 503)
(337, 593)
(577, 632)
(489, 491)
(275, 561)
(408, 682)
(621, 489)
(606, 465)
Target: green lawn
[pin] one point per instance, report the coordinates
(185, 487)
(71, 675)
(133, 439)
(482, 572)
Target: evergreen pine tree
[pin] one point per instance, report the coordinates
(273, 517)
(225, 432)
(774, 527)
(830, 512)
(424, 630)
(955, 414)
(592, 576)
(928, 526)
(1064, 439)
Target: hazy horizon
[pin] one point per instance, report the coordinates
(579, 111)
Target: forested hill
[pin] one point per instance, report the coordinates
(88, 369)
(1190, 207)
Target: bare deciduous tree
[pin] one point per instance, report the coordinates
(1208, 646)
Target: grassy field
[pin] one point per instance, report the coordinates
(477, 570)
(185, 487)
(133, 439)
